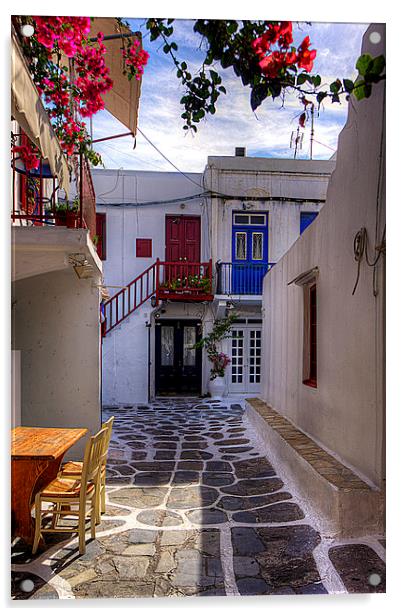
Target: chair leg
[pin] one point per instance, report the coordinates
(37, 523)
(81, 531)
(94, 514)
(103, 498)
(56, 514)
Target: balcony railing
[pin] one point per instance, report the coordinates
(35, 197)
(184, 281)
(181, 281)
(241, 278)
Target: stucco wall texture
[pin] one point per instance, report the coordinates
(346, 411)
(56, 329)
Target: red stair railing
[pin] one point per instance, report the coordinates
(180, 281)
(128, 299)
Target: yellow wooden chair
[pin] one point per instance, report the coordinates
(64, 493)
(73, 470)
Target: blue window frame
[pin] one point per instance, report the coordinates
(306, 218)
(249, 251)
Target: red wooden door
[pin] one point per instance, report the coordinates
(183, 239)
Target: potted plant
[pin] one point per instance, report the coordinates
(66, 214)
(219, 360)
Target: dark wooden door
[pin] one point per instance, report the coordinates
(183, 239)
(177, 363)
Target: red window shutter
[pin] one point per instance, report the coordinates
(143, 247)
(101, 233)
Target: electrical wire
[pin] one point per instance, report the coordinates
(168, 160)
(325, 145)
(360, 250)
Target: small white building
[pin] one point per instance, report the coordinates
(181, 250)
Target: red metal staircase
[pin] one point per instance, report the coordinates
(179, 281)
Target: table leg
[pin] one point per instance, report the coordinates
(27, 478)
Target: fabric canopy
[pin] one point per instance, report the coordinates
(123, 99)
(28, 110)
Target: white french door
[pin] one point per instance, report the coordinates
(245, 366)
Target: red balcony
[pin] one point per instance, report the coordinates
(35, 197)
(184, 281)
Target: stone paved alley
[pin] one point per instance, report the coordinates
(196, 508)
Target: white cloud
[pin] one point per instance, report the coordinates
(266, 133)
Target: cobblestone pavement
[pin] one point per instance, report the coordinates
(195, 508)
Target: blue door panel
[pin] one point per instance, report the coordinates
(248, 273)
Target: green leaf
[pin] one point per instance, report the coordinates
(166, 48)
(363, 63)
(335, 86)
(321, 96)
(316, 81)
(301, 79)
(348, 85)
(378, 65)
(214, 76)
(358, 91)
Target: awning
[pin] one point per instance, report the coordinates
(123, 99)
(305, 277)
(28, 110)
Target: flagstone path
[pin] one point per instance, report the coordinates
(195, 508)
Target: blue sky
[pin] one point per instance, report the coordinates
(264, 133)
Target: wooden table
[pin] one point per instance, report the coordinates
(36, 455)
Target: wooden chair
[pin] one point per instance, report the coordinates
(73, 470)
(64, 494)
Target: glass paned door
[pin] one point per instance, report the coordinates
(178, 365)
(249, 253)
(254, 364)
(237, 363)
(245, 376)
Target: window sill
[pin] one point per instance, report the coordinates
(310, 383)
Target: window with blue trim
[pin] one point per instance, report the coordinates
(306, 218)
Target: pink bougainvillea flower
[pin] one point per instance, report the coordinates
(306, 56)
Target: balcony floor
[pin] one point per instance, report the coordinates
(194, 508)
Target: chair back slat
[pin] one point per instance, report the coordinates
(93, 457)
(108, 425)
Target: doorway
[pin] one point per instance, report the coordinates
(249, 252)
(183, 239)
(245, 345)
(178, 366)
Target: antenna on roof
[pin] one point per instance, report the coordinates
(296, 141)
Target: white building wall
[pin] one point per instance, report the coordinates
(135, 207)
(346, 411)
(126, 349)
(269, 185)
(56, 330)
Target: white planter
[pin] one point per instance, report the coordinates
(217, 387)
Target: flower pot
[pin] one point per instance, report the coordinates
(71, 218)
(66, 219)
(217, 387)
(60, 219)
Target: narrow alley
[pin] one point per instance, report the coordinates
(194, 507)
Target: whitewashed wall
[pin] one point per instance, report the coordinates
(122, 194)
(56, 329)
(346, 411)
(270, 178)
